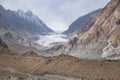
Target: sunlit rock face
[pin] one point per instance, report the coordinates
(106, 29)
(107, 26)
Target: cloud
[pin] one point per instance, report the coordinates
(57, 14)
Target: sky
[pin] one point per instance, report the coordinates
(56, 14)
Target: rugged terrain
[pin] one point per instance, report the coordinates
(20, 29)
(106, 29)
(96, 52)
(102, 40)
(31, 66)
(61, 65)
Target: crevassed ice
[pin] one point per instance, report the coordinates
(49, 39)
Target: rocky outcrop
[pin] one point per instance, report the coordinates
(107, 26)
(3, 30)
(4, 48)
(3, 45)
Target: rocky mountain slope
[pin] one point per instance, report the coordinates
(80, 22)
(12, 40)
(24, 23)
(107, 29)
(102, 40)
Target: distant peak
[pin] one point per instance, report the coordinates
(29, 13)
(1, 7)
(20, 11)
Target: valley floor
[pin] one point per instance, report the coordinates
(62, 67)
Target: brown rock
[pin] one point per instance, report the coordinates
(106, 27)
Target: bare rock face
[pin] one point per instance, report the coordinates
(2, 44)
(106, 29)
(107, 26)
(4, 48)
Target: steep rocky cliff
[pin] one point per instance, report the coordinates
(107, 26)
(106, 29)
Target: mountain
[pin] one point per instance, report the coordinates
(23, 23)
(107, 29)
(101, 41)
(20, 29)
(77, 24)
(97, 49)
(37, 43)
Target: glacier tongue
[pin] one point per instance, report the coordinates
(52, 40)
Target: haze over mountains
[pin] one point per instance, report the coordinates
(23, 22)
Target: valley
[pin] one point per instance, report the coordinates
(88, 50)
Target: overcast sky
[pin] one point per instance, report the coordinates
(57, 14)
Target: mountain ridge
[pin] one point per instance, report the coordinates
(78, 23)
(28, 22)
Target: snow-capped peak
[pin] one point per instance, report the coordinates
(29, 16)
(29, 13)
(1, 7)
(21, 13)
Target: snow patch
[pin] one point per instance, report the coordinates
(111, 52)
